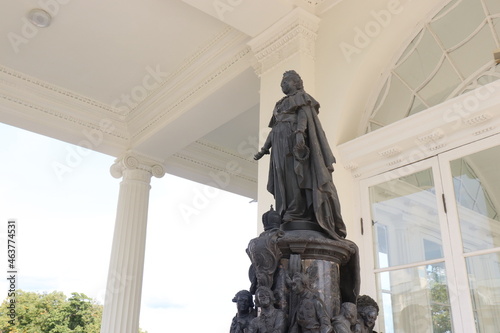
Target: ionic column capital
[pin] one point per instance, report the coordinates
(134, 166)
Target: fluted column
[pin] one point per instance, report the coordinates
(124, 287)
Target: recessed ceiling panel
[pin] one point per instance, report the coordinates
(104, 49)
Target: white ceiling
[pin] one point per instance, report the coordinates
(174, 78)
(102, 49)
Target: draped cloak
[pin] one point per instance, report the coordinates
(313, 174)
(313, 177)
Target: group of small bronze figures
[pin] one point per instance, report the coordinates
(310, 315)
(303, 236)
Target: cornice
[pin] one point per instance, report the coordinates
(216, 166)
(294, 33)
(214, 64)
(182, 74)
(216, 158)
(212, 69)
(456, 122)
(317, 6)
(50, 110)
(13, 79)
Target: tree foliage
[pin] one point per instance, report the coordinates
(51, 313)
(440, 304)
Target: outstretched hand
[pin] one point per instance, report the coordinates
(261, 153)
(258, 156)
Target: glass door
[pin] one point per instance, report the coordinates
(471, 179)
(435, 230)
(411, 250)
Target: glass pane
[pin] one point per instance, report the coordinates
(464, 19)
(475, 53)
(493, 6)
(484, 281)
(496, 24)
(417, 106)
(416, 69)
(476, 183)
(441, 86)
(395, 105)
(405, 220)
(415, 300)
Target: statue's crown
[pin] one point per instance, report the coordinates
(271, 219)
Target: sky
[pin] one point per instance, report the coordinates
(194, 263)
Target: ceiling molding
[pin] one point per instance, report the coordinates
(50, 110)
(317, 6)
(455, 122)
(296, 32)
(32, 101)
(194, 81)
(26, 84)
(179, 77)
(215, 166)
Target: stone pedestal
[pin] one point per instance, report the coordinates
(320, 258)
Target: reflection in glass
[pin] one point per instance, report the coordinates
(484, 282)
(476, 185)
(406, 224)
(415, 300)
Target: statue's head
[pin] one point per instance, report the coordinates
(368, 310)
(369, 315)
(300, 282)
(264, 296)
(291, 82)
(349, 311)
(243, 300)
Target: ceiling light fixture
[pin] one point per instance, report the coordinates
(39, 17)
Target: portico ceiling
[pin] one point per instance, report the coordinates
(168, 79)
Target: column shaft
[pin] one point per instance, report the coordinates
(124, 286)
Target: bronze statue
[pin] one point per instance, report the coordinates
(304, 270)
(270, 320)
(264, 252)
(246, 312)
(346, 321)
(368, 312)
(308, 315)
(301, 166)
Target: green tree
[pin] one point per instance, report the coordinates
(440, 304)
(51, 313)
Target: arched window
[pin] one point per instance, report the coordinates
(451, 54)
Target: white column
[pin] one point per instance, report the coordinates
(123, 293)
(287, 45)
